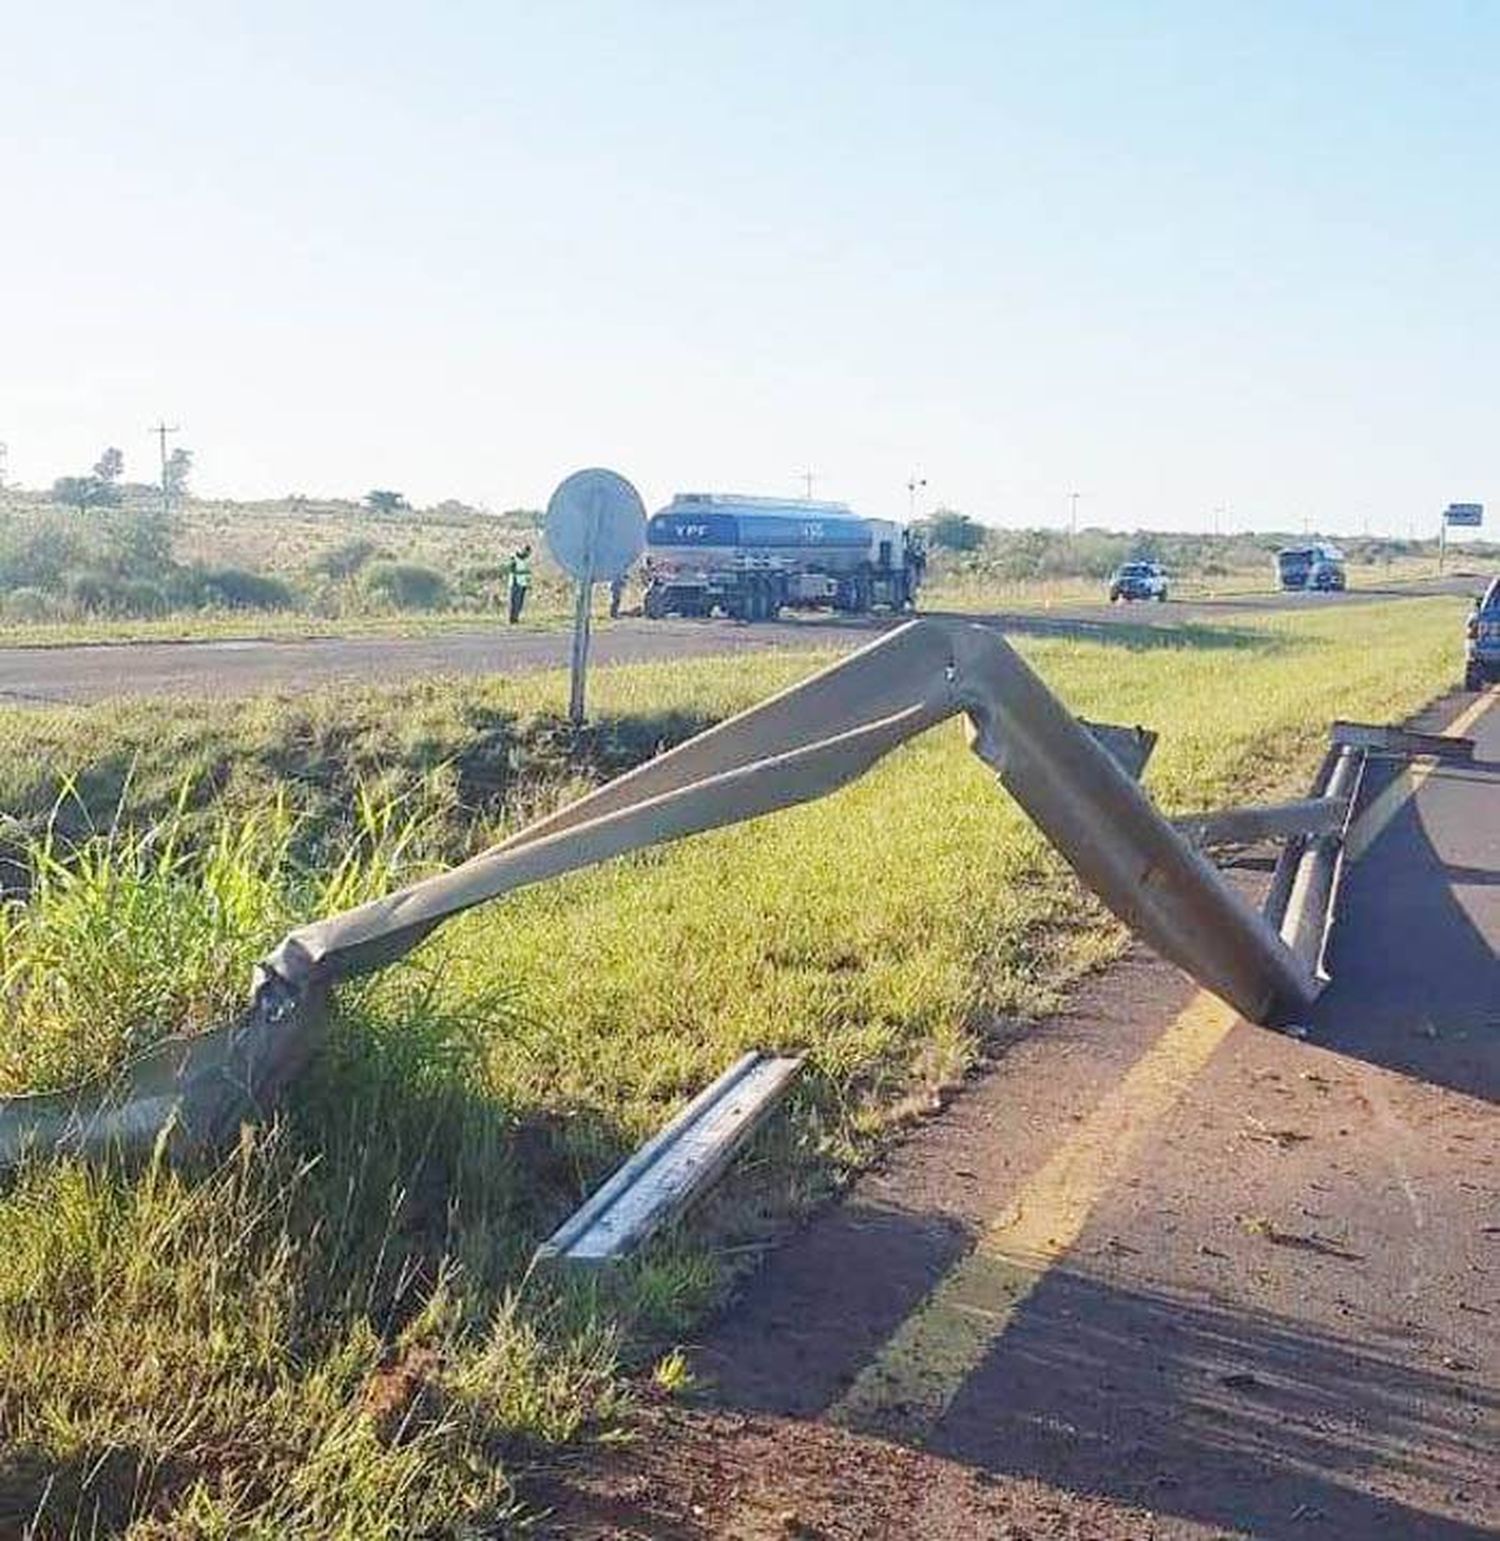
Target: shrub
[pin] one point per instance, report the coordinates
(137, 543)
(237, 589)
(407, 585)
(140, 596)
(35, 553)
(343, 561)
(954, 532)
(93, 591)
(27, 604)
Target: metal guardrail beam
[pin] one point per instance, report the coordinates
(1315, 881)
(799, 745)
(663, 1177)
(1265, 821)
(1384, 739)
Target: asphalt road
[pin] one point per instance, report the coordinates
(1160, 1272)
(245, 667)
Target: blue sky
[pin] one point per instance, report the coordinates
(1174, 257)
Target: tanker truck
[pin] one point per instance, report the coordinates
(751, 558)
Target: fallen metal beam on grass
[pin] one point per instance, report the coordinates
(674, 1167)
(191, 1090)
(805, 742)
(1265, 821)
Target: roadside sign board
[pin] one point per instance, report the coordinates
(596, 528)
(596, 525)
(1464, 513)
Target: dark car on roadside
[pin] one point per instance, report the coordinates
(1482, 640)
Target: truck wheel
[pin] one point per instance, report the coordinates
(1161, 597)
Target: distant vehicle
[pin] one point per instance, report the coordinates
(1317, 567)
(750, 558)
(1138, 580)
(1482, 640)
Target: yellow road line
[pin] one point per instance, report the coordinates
(909, 1385)
(1394, 797)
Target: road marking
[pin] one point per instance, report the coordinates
(911, 1383)
(1407, 783)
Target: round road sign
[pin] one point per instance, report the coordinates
(596, 525)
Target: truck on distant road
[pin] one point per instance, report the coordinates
(751, 558)
(1314, 567)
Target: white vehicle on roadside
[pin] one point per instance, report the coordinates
(1138, 580)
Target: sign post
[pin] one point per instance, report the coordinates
(1468, 515)
(596, 528)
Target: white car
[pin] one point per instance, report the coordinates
(1138, 580)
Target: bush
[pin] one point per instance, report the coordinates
(951, 531)
(343, 561)
(27, 604)
(35, 553)
(97, 593)
(137, 543)
(407, 585)
(140, 596)
(236, 589)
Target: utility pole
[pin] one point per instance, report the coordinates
(1219, 519)
(1073, 513)
(913, 486)
(807, 478)
(4, 452)
(161, 431)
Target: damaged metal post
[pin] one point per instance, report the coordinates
(1310, 904)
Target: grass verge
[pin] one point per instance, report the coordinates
(333, 1331)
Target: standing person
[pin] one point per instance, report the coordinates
(616, 594)
(519, 568)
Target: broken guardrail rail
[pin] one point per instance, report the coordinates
(193, 1092)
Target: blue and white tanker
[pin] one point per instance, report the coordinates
(750, 558)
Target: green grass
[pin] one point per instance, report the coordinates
(552, 613)
(333, 1331)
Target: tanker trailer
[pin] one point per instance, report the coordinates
(751, 558)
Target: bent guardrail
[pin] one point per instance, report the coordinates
(801, 744)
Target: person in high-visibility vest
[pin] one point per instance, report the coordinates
(519, 568)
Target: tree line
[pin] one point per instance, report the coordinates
(102, 486)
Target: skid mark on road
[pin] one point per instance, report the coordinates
(909, 1385)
